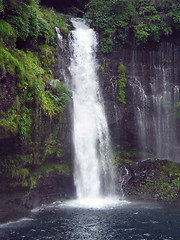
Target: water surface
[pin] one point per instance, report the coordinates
(137, 221)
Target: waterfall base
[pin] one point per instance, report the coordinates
(94, 203)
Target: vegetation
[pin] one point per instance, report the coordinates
(30, 24)
(27, 58)
(165, 184)
(117, 21)
(122, 82)
(26, 178)
(122, 156)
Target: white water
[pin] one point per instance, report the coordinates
(93, 173)
(154, 103)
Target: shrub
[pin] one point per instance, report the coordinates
(18, 17)
(8, 63)
(1, 6)
(122, 82)
(6, 31)
(112, 20)
(116, 20)
(47, 55)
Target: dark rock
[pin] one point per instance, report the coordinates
(52, 187)
(15, 203)
(146, 180)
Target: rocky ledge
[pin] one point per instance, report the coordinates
(148, 180)
(18, 201)
(151, 179)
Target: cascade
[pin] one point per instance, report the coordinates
(59, 36)
(154, 102)
(62, 56)
(116, 110)
(94, 172)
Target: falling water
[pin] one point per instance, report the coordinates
(93, 175)
(59, 36)
(154, 103)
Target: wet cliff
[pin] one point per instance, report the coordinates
(145, 126)
(148, 119)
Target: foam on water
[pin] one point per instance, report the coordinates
(4, 225)
(95, 203)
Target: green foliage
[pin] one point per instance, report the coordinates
(166, 183)
(32, 23)
(8, 63)
(63, 169)
(47, 55)
(111, 19)
(50, 145)
(170, 169)
(29, 23)
(150, 27)
(25, 122)
(141, 33)
(57, 95)
(104, 66)
(20, 176)
(122, 82)
(174, 14)
(27, 56)
(122, 85)
(53, 19)
(6, 31)
(11, 163)
(54, 99)
(115, 20)
(10, 121)
(122, 156)
(144, 155)
(32, 79)
(107, 45)
(18, 17)
(121, 69)
(1, 6)
(17, 120)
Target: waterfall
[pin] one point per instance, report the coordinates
(155, 97)
(93, 173)
(59, 36)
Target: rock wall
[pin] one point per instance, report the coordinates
(43, 160)
(146, 69)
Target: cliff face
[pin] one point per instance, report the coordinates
(34, 123)
(146, 127)
(148, 120)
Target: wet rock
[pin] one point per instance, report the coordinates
(50, 188)
(151, 179)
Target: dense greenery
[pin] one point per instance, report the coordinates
(165, 184)
(27, 58)
(29, 24)
(121, 156)
(122, 82)
(119, 20)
